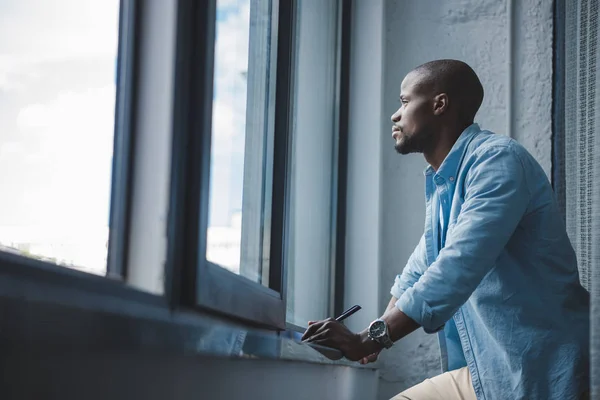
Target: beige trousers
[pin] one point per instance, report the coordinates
(452, 385)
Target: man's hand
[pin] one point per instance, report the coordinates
(334, 334)
(370, 358)
(357, 346)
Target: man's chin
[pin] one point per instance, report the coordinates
(402, 148)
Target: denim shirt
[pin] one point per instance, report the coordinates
(499, 282)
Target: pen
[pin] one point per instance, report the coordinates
(348, 313)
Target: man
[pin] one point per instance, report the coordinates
(494, 272)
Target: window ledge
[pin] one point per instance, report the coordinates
(48, 317)
(292, 350)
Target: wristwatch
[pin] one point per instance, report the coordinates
(378, 332)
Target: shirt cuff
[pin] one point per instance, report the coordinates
(416, 308)
(396, 290)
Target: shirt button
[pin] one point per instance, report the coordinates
(451, 179)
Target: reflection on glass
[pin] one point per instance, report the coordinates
(57, 97)
(228, 135)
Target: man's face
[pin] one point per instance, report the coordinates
(412, 123)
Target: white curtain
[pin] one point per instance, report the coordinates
(582, 155)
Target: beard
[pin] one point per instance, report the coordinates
(416, 143)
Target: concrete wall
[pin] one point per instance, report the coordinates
(513, 58)
(532, 94)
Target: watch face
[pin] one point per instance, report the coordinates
(377, 329)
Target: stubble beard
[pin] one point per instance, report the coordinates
(407, 145)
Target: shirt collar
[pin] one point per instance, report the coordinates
(449, 168)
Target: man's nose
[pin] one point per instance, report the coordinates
(396, 116)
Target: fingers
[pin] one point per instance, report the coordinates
(327, 330)
(325, 341)
(319, 336)
(367, 359)
(314, 327)
(370, 358)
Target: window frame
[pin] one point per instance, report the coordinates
(338, 255)
(124, 137)
(198, 282)
(35, 282)
(120, 196)
(194, 281)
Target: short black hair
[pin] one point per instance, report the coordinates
(458, 80)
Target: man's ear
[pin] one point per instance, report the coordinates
(440, 104)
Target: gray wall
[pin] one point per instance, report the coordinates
(513, 58)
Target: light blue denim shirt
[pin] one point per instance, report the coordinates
(499, 283)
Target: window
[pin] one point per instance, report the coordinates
(202, 135)
(230, 127)
(57, 96)
(240, 249)
(263, 145)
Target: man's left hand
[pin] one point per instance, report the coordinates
(332, 333)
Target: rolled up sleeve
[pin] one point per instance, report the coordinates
(496, 198)
(415, 267)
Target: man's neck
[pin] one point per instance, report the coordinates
(438, 153)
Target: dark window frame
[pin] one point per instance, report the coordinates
(121, 174)
(35, 281)
(124, 139)
(193, 280)
(338, 262)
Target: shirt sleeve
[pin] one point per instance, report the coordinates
(496, 198)
(415, 267)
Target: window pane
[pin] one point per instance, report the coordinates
(57, 97)
(239, 139)
(312, 175)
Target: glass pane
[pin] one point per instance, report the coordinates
(241, 153)
(313, 159)
(57, 97)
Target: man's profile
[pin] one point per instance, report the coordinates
(494, 273)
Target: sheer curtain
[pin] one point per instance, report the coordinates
(582, 155)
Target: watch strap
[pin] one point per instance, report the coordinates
(385, 340)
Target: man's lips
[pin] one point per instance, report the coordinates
(395, 133)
